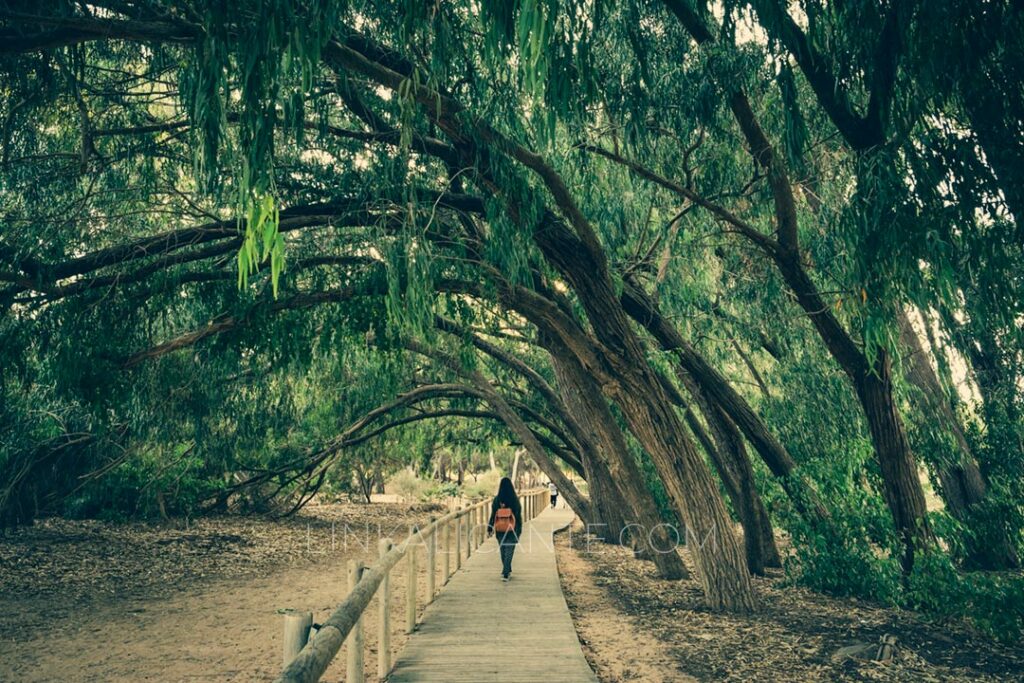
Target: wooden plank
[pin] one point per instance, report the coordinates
(458, 637)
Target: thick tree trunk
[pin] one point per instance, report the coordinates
(737, 474)
(960, 482)
(873, 384)
(900, 479)
(583, 398)
(977, 343)
(631, 382)
(872, 381)
(608, 508)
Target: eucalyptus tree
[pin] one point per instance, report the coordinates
(884, 267)
(909, 104)
(262, 187)
(869, 372)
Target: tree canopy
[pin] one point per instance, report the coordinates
(752, 261)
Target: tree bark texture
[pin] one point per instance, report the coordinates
(584, 399)
(635, 388)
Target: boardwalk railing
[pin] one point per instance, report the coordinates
(306, 662)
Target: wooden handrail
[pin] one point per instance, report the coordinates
(312, 661)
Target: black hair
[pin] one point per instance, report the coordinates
(507, 493)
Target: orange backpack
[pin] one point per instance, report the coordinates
(504, 520)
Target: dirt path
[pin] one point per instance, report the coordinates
(615, 648)
(91, 603)
(227, 630)
(636, 627)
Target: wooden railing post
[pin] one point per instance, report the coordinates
(296, 633)
(431, 562)
(484, 519)
(470, 523)
(458, 539)
(446, 563)
(410, 593)
(355, 637)
(384, 617)
(476, 526)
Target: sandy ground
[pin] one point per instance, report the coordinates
(91, 602)
(84, 601)
(616, 648)
(636, 627)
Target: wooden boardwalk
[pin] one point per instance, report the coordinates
(461, 635)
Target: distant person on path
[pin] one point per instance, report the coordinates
(553, 490)
(506, 523)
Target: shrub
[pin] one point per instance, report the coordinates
(405, 484)
(843, 564)
(993, 603)
(154, 483)
(485, 486)
(440, 491)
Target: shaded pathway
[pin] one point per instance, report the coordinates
(462, 632)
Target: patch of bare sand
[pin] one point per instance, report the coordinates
(798, 635)
(615, 647)
(90, 602)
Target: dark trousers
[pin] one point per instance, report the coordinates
(554, 499)
(507, 550)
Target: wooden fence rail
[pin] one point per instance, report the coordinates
(469, 527)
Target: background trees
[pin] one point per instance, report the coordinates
(750, 249)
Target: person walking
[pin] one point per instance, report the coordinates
(553, 490)
(506, 523)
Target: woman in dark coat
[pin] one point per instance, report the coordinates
(506, 541)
